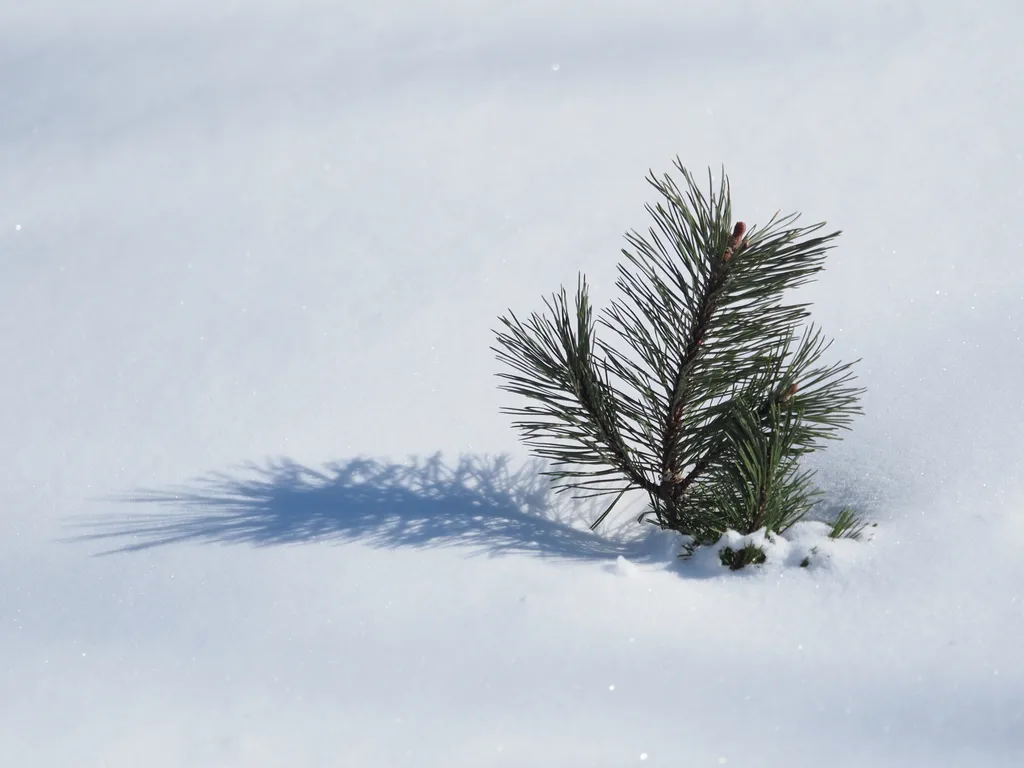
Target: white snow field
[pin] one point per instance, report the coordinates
(251, 258)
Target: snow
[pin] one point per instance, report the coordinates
(252, 510)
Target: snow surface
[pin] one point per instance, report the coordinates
(252, 254)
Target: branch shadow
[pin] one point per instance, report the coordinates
(482, 504)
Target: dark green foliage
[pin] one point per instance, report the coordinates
(734, 559)
(806, 562)
(706, 387)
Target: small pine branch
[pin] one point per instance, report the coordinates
(574, 419)
(847, 525)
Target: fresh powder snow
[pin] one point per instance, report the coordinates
(258, 503)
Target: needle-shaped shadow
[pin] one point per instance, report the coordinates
(483, 504)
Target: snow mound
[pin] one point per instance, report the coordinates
(806, 544)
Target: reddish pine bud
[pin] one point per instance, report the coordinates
(736, 241)
(737, 233)
(789, 393)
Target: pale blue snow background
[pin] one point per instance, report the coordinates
(270, 240)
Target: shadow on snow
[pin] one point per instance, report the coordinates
(482, 504)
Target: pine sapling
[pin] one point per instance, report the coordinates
(705, 388)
